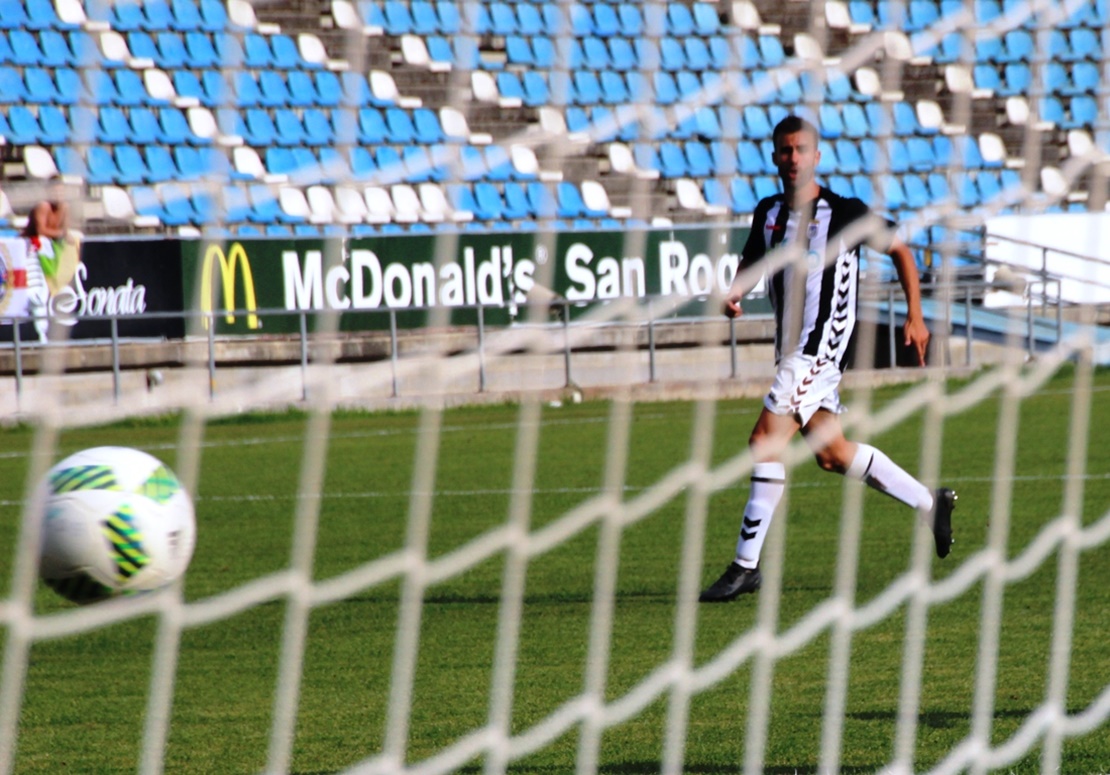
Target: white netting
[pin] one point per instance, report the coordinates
(1005, 164)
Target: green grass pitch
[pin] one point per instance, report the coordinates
(85, 695)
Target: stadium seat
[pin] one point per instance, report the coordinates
(541, 200)
(41, 89)
(23, 126)
(24, 48)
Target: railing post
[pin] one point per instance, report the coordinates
(304, 354)
(893, 322)
(393, 348)
(211, 316)
(967, 324)
(18, 344)
(1030, 345)
(481, 350)
(732, 347)
(651, 344)
(115, 359)
(566, 343)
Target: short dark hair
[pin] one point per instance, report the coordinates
(790, 125)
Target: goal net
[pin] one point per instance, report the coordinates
(389, 579)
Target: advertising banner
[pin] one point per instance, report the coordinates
(361, 280)
(128, 279)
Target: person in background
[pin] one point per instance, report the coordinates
(814, 298)
(52, 253)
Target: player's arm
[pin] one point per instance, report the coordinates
(742, 283)
(914, 330)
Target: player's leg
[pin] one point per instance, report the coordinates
(769, 438)
(872, 466)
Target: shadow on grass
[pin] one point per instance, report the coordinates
(935, 719)
(689, 768)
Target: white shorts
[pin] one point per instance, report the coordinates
(803, 384)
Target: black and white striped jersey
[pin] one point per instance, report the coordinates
(815, 298)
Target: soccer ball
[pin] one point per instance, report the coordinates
(116, 521)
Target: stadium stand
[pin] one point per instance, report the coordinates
(142, 104)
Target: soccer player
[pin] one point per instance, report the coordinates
(814, 301)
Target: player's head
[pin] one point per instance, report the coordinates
(795, 154)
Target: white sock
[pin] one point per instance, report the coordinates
(768, 484)
(875, 469)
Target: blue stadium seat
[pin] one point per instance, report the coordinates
(916, 192)
(1018, 46)
(541, 199)
(247, 92)
(757, 123)
(699, 162)
(488, 203)
(529, 20)
(606, 21)
(56, 50)
(289, 128)
(200, 51)
(502, 19)
(723, 155)
(177, 206)
(112, 126)
(586, 90)
(631, 20)
(920, 152)
(672, 54)
(273, 92)
(160, 163)
(101, 164)
(229, 49)
(742, 195)
(329, 89)
(672, 161)
(171, 51)
(131, 165)
(54, 125)
(518, 51)
(41, 89)
(318, 127)
(751, 158)
(1016, 80)
(664, 87)
(1083, 111)
(25, 50)
(257, 51)
(425, 20)
(569, 202)
(450, 22)
(128, 16)
(372, 129)
(23, 126)
(517, 205)
(765, 186)
(41, 16)
(398, 19)
(1085, 78)
(679, 20)
(287, 55)
(186, 15)
(417, 164)
(363, 166)
(257, 127)
(12, 88)
(595, 54)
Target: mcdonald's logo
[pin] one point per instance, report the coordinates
(233, 262)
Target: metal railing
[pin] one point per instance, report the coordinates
(571, 334)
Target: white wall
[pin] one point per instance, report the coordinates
(1084, 280)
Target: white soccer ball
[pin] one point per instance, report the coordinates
(116, 521)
